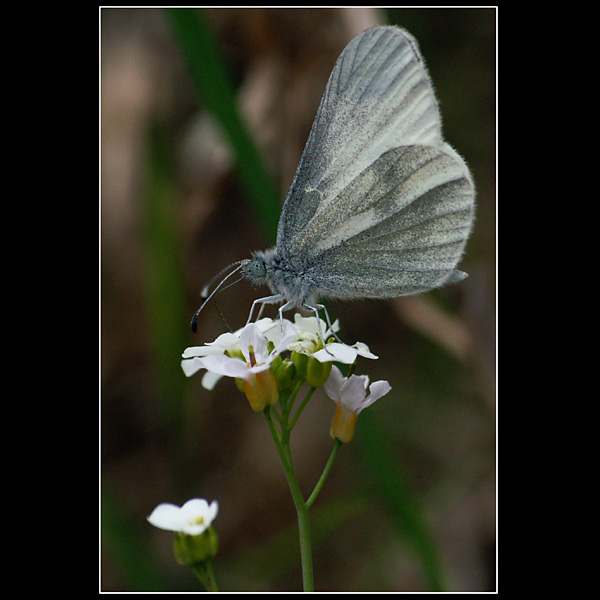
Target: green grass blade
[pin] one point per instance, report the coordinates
(394, 488)
(164, 288)
(210, 76)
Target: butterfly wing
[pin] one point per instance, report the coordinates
(378, 97)
(399, 228)
(380, 205)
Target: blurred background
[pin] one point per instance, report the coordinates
(197, 154)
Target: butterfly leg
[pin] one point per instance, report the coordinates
(260, 312)
(316, 309)
(283, 307)
(263, 301)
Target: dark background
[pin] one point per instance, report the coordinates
(410, 504)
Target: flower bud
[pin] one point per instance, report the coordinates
(317, 373)
(276, 363)
(286, 376)
(193, 549)
(300, 360)
(343, 424)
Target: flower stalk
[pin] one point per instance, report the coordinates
(271, 381)
(334, 451)
(206, 575)
(282, 444)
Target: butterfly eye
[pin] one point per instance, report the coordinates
(255, 269)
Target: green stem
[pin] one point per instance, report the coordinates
(305, 549)
(323, 477)
(282, 444)
(292, 398)
(212, 580)
(303, 523)
(276, 436)
(205, 573)
(301, 407)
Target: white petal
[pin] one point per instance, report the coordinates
(191, 366)
(210, 379)
(213, 509)
(333, 385)
(306, 324)
(363, 350)
(166, 516)
(302, 346)
(226, 341)
(353, 392)
(194, 509)
(274, 333)
(201, 351)
(377, 390)
(258, 368)
(338, 352)
(225, 365)
(288, 336)
(194, 351)
(334, 328)
(251, 335)
(266, 324)
(197, 515)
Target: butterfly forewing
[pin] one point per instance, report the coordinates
(378, 97)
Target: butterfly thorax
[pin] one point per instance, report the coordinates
(266, 267)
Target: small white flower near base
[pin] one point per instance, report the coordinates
(193, 518)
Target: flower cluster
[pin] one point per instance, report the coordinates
(271, 361)
(256, 356)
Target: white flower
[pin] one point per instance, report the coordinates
(350, 395)
(227, 342)
(363, 350)
(351, 392)
(308, 333)
(308, 342)
(192, 362)
(254, 348)
(223, 357)
(253, 366)
(337, 352)
(343, 353)
(193, 518)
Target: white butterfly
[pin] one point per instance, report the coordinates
(380, 205)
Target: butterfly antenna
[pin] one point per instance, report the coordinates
(204, 292)
(217, 306)
(222, 317)
(206, 296)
